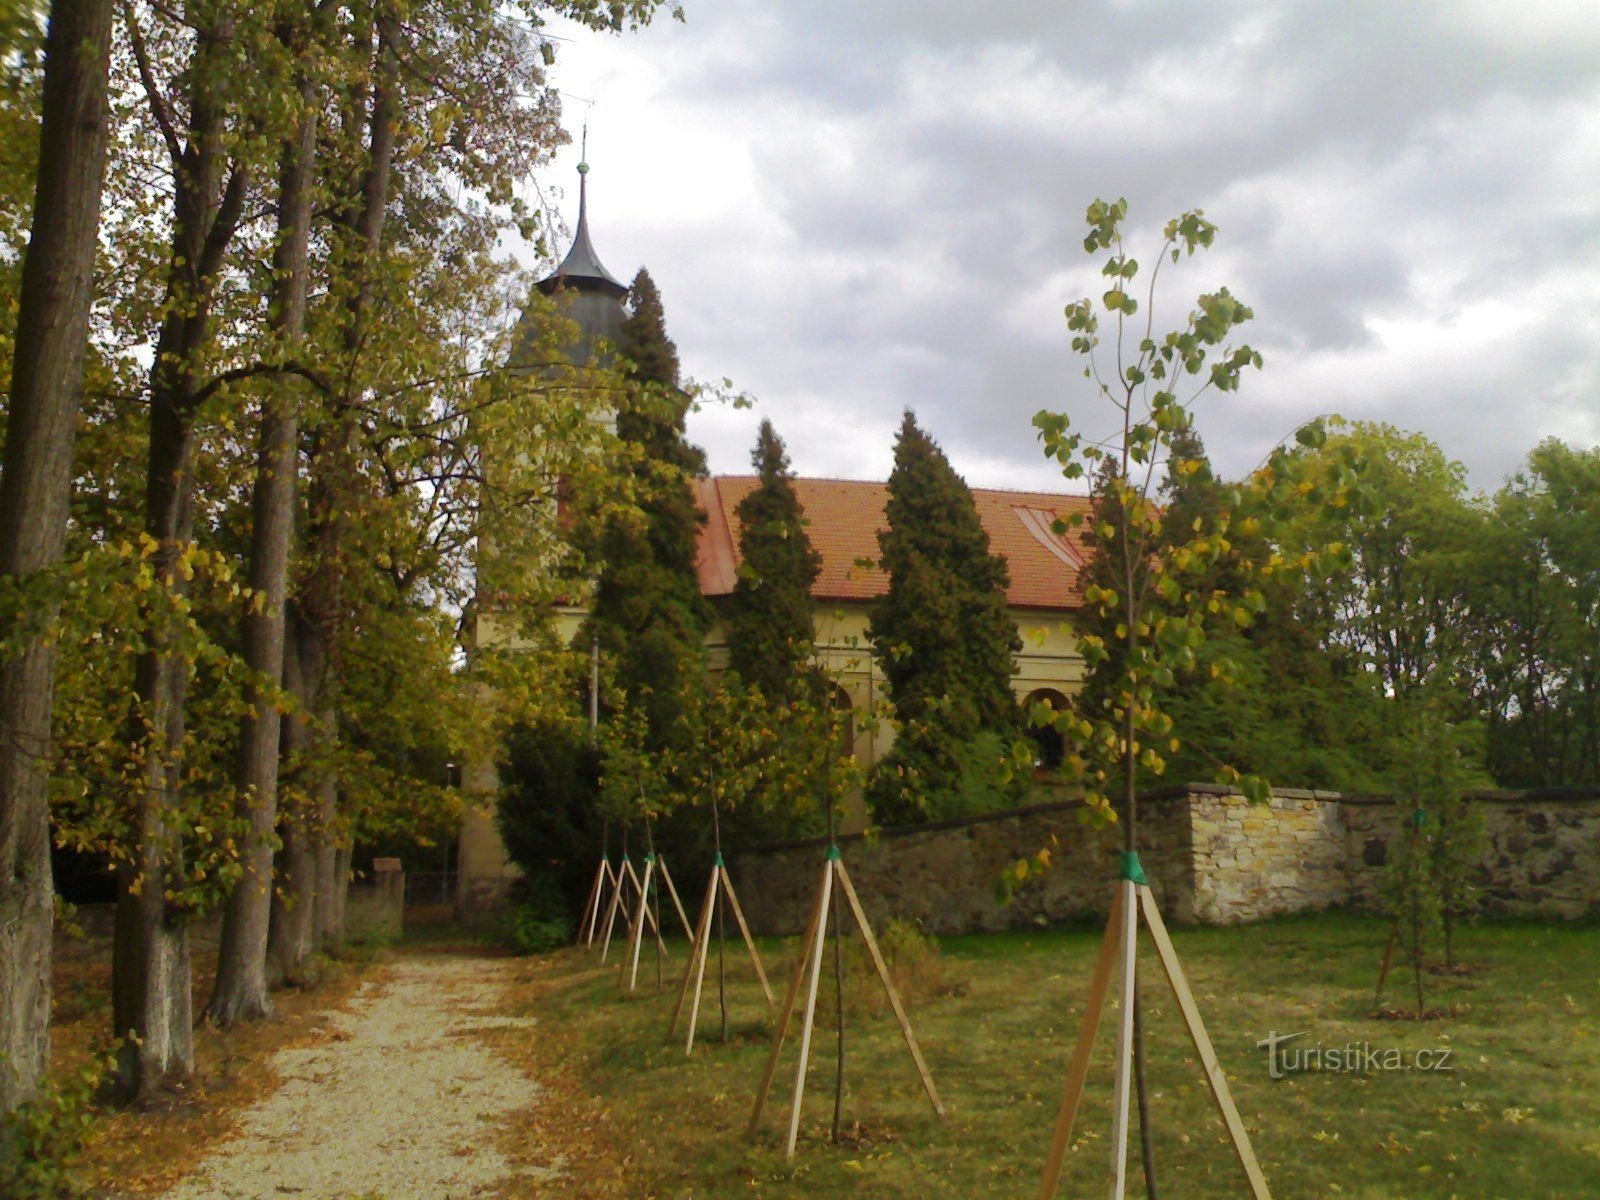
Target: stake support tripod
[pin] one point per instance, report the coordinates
(809, 972)
(720, 885)
(1118, 953)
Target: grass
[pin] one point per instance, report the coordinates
(1519, 1115)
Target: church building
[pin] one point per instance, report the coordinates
(844, 518)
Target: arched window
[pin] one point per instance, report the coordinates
(1048, 743)
(841, 703)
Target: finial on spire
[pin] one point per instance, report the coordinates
(581, 268)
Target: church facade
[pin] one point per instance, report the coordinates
(843, 518)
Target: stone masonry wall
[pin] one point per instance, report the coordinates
(1254, 861)
(1211, 857)
(1542, 856)
(943, 876)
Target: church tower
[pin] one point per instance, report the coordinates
(589, 294)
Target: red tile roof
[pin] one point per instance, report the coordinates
(846, 515)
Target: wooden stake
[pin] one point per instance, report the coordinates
(1128, 950)
(787, 1013)
(696, 955)
(604, 879)
(700, 972)
(1078, 1067)
(1203, 1047)
(672, 891)
(624, 873)
(591, 899)
(749, 942)
(1131, 901)
(811, 964)
(700, 949)
(636, 930)
(888, 986)
(811, 1008)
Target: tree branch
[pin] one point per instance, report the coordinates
(218, 382)
(226, 222)
(158, 106)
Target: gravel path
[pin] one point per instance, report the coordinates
(401, 1101)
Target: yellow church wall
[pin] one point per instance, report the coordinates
(1049, 659)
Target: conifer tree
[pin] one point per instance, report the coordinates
(945, 643)
(769, 614)
(648, 613)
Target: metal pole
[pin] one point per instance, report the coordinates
(594, 685)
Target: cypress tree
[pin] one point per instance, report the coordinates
(769, 623)
(945, 642)
(648, 613)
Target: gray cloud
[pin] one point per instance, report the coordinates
(854, 208)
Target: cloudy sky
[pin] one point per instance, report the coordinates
(851, 208)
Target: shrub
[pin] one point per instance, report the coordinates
(529, 929)
(915, 966)
(42, 1140)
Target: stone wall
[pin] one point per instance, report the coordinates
(1542, 856)
(944, 875)
(1251, 861)
(1210, 855)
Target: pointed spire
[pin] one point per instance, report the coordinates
(581, 268)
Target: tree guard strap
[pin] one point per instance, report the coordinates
(833, 852)
(717, 861)
(1131, 870)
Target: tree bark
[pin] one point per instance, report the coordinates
(241, 986)
(334, 474)
(47, 376)
(292, 934)
(151, 984)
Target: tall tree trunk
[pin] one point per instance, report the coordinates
(151, 984)
(331, 861)
(292, 936)
(241, 987)
(150, 987)
(47, 375)
(331, 501)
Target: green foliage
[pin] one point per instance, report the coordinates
(1157, 590)
(1430, 885)
(1534, 607)
(945, 642)
(772, 768)
(1269, 699)
(648, 612)
(768, 616)
(530, 929)
(547, 816)
(42, 1140)
(1398, 606)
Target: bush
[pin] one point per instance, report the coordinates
(931, 774)
(42, 1140)
(529, 929)
(547, 814)
(915, 964)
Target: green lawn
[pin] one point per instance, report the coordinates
(1518, 1117)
